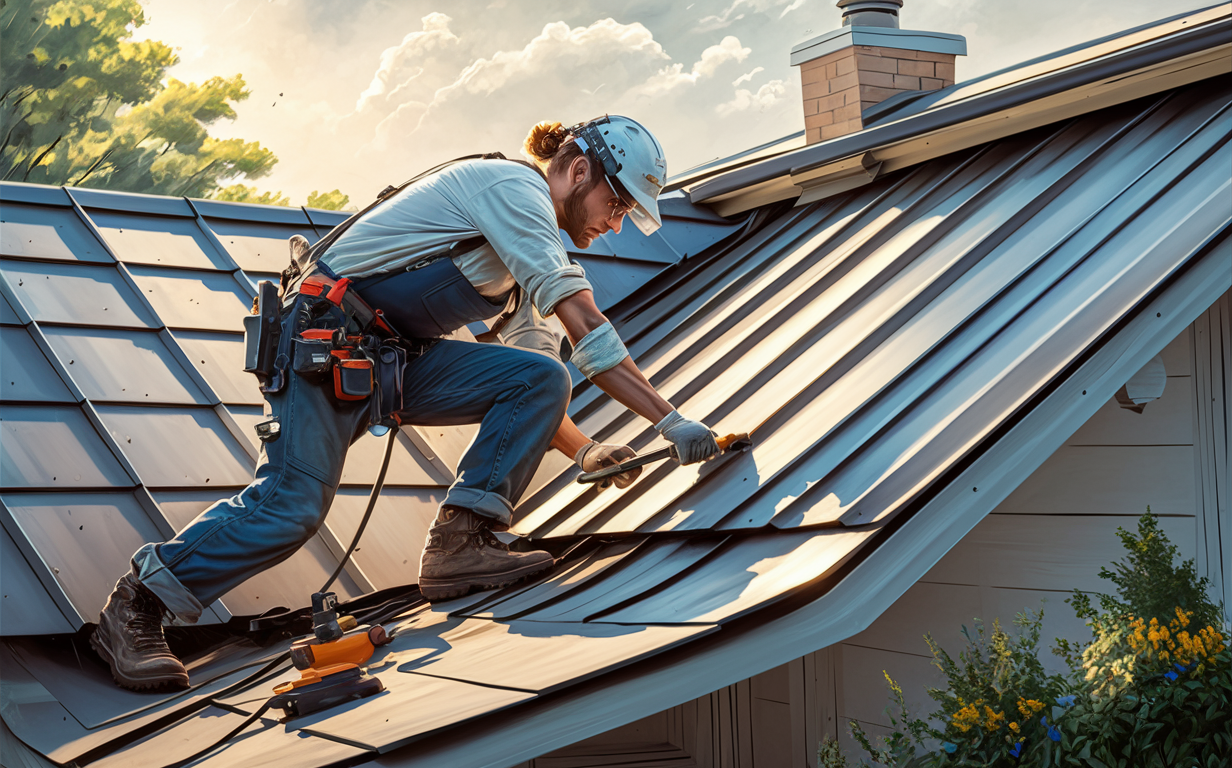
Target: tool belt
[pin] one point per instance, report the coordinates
(334, 336)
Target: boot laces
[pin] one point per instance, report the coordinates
(146, 624)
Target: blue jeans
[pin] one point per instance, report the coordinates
(517, 397)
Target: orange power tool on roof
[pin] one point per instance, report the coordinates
(330, 661)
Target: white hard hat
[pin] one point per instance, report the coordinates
(632, 158)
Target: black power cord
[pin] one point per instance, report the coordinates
(372, 497)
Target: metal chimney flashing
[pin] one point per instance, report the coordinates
(878, 37)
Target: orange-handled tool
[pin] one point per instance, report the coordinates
(726, 443)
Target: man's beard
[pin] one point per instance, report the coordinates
(574, 206)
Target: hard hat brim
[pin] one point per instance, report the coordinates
(644, 220)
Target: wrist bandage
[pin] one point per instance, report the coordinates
(599, 351)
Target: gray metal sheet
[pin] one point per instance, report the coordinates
(32, 713)
(210, 301)
(259, 246)
(159, 241)
(548, 655)
(75, 293)
(105, 200)
(519, 599)
(389, 550)
(614, 279)
(407, 465)
(7, 315)
(412, 707)
(123, 366)
(43, 232)
(178, 447)
(46, 446)
(248, 417)
(26, 606)
(40, 194)
(749, 572)
(289, 584)
(84, 539)
(219, 357)
(643, 572)
(26, 373)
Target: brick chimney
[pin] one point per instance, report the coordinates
(866, 61)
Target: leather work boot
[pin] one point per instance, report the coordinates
(463, 555)
(130, 639)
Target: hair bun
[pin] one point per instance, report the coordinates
(543, 141)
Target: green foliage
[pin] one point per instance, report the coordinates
(238, 193)
(1153, 689)
(330, 201)
(82, 104)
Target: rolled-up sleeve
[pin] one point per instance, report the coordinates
(516, 216)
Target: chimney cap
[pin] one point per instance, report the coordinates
(870, 13)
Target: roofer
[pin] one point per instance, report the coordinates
(455, 246)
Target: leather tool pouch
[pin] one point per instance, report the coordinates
(262, 331)
(311, 354)
(353, 379)
(391, 361)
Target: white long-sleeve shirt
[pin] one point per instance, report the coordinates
(507, 202)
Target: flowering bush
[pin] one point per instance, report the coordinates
(1152, 689)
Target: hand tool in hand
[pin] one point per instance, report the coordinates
(726, 443)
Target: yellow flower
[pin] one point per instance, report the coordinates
(1014, 727)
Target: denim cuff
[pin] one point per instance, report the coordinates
(482, 503)
(149, 569)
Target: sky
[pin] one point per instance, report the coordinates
(366, 93)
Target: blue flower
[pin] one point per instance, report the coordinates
(1066, 701)
(1017, 749)
(1053, 733)
(1170, 675)
(948, 747)
(1181, 667)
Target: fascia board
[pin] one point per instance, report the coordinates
(697, 669)
(1193, 55)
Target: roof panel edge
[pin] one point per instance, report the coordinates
(37, 194)
(131, 202)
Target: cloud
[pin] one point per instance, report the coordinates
(730, 15)
(747, 76)
(400, 64)
(674, 76)
(744, 101)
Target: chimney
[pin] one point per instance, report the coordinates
(866, 61)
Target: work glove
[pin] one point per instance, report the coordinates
(693, 440)
(593, 457)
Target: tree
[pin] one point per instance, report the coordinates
(82, 104)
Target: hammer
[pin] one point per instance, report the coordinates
(727, 443)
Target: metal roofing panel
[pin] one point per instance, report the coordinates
(614, 279)
(42, 232)
(407, 465)
(746, 573)
(211, 301)
(549, 655)
(26, 606)
(248, 417)
(54, 447)
(39, 194)
(389, 551)
(289, 584)
(7, 315)
(422, 704)
(27, 374)
(178, 447)
(219, 358)
(84, 539)
(259, 246)
(123, 366)
(157, 240)
(75, 293)
(643, 572)
(105, 200)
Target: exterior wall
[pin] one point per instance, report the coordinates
(1051, 535)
